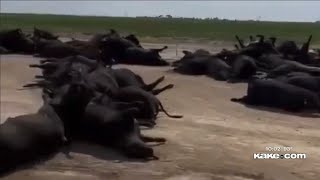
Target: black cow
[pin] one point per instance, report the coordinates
(274, 93)
(39, 33)
(85, 48)
(254, 50)
(54, 48)
(97, 38)
(305, 57)
(151, 57)
(105, 100)
(271, 61)
(16, 41)
(3, 50)
(56, 72)
(201, 64)
(126, 77)
(287, 48)
(189, 55)
(99, 78)
(151, 107)
(28, 137)
(217, 69)
(89, 49)
(292, 66)
(115, 128)
(127, 52)
(290, 75)
(102, 80)
(113, 48)
(276, 65)
(243, 68)
(69, 97)
(134, 39)
(305, 81)
(195, 65)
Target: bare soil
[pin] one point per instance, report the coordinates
(216, 138)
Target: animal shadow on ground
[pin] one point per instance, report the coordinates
(171, 71)
(97, 151)
(101, 152)
(28, 165)
(304, 114)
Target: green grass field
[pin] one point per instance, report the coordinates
(164, 27)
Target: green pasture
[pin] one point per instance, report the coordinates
(176, 28)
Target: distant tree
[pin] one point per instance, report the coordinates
(169, 16)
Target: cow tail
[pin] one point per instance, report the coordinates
(243, 99)
(169, 115)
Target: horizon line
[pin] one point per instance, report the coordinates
(158, 16)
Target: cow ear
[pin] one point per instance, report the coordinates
(46, 98)
(112, 31)
(165, 47)
(19, 31)
(138, 104)
(103, 40)
(99, 97)
(131, 112)
(56, 101)
(305, 46)
(186, 52)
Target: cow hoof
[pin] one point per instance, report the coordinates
(152, 158)
(160, 139)
(232, 81)
(162, 78)
(147, 124)
(170, 86)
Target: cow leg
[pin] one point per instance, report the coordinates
(47, 61)
(234, 80)
(151, 86)
(169, 115)
(37, 55)
(39, 77)
(159, 50)
(175, 63)
(66, 151)
(44, 66)
(148, 124)
(152, 139)
(294, 108)
(158, 91)
(126, 105)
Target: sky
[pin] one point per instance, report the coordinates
(302, 11)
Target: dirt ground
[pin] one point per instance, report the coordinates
(216, 138)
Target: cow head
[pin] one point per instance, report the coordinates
(134, 39)
(153, 57)
(305, 47)
(139, 150)
(17, 41)
(133, 144)
(75, 93)
(44, 34)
